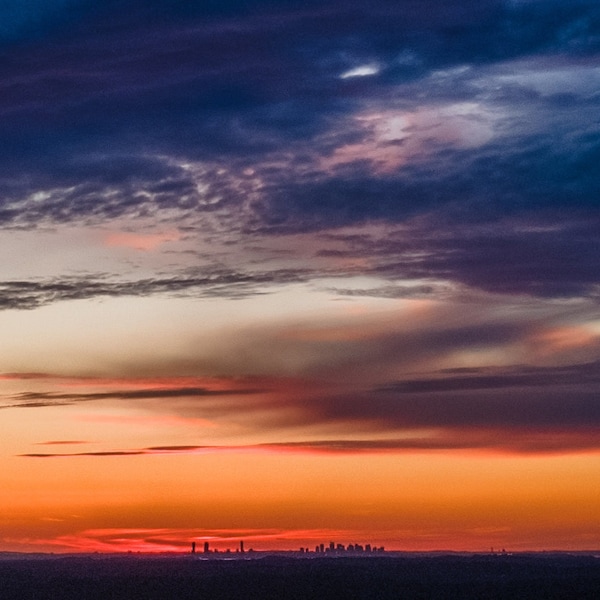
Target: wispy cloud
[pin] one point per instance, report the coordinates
(31, 294)
(48, 399)
(63, 442)
(496, 441)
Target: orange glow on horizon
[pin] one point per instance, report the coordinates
(164, 501)
(261, 459)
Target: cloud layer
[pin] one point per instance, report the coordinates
(521, 409)
(484, 104)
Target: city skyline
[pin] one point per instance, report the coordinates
(293, 271)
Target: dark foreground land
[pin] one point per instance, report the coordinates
(522, 576)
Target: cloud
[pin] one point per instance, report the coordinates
(99, 453)
(62, 442)
(45, 399)
(87, 117)
(361, 71)
(550, 441)
(545, 254)
(31, 294)
(95, 187)
(515, 409)
(514, 401)
(488, 378)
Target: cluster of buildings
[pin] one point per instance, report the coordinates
(207, 549)
(333, 548)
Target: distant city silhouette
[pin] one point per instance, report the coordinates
(332, 548)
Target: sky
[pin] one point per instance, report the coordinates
(292, 272)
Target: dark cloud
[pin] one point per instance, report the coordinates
(95, 188)
(106, 453)
(549, 255)
(49, 399)
(395, 291)
(91, 94)
(490, 378)
(518, 175)
(175, 448)
(570, 407)
(492, 440)
(27, 295)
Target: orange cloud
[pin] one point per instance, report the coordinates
(563, 340)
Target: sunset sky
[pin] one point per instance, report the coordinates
(298, 271)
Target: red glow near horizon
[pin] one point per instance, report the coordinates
(157, 541)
